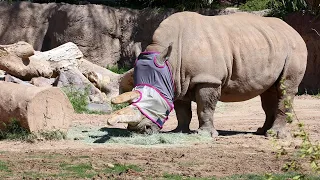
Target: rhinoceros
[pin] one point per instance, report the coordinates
(228, 58)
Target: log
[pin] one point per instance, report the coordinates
(36, 108)
(102, 78)
(14, 60)
(61, 57)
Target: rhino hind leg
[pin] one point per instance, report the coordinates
(184, 115)
(272, 102)
(207, 96)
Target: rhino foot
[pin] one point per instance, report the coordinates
(213, 133)
(279, 133)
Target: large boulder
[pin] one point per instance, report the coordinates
(14, 59)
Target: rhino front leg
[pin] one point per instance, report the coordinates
(207, 96)
(184, 115)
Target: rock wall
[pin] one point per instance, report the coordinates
(309, 28)
(104, 34)
(108, 36)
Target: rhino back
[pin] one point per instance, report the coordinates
(245, 53)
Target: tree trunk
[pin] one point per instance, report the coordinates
(61, 57)
(36, 108)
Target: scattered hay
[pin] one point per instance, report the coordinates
(161, 138)
(97, 135)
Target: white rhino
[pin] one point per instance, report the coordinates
(228, 58)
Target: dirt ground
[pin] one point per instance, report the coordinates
(235, 151)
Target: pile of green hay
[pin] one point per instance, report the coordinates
(97, 135)
(162, 138)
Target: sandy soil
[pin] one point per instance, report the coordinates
(235, 151)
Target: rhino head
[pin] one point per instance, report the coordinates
(132, 115)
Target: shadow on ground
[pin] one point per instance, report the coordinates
(115, 132)
(110, 132)
(233, 133)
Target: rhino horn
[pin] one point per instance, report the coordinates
(125, 115)
(125, 97)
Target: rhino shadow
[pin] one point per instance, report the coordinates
(221, 132)
(233, 133)
(111, 132)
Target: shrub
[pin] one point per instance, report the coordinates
(78, 98)
(255, 5)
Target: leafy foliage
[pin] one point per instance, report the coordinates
(116, 107)
(78, 98)
(14, 131)
(120, 168)
(254, 5)
(307, 150)
(280, 8)
(118, 70)
(140, 4)
(84, 170)
(4, 167)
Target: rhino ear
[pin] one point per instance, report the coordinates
(165, 54)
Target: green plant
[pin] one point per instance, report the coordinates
(79, 170)
(118, 70)
(14, 131)
(119, 168)
(78, 98)
(280, 8)
(4, 167)
(307, 149)
(255, 5)
(51, 135)
(317, 95)
(116, 107)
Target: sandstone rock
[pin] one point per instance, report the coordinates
(42, 82)
(14, 60)
(21, 49)
(9, 78)
(2, 75)
(74, 78)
